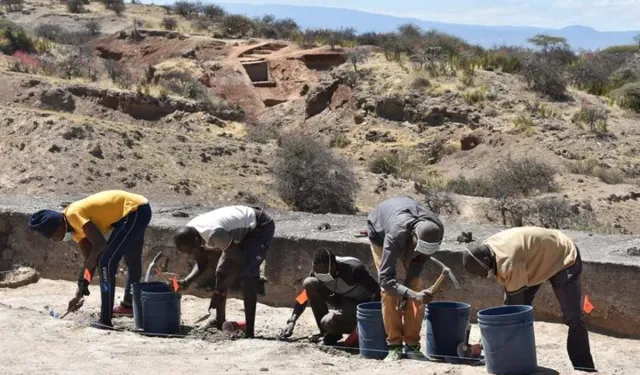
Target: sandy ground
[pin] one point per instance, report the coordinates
(34, 342)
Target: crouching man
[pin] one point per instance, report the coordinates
(521, 259)
(339, 282)
(243, 235)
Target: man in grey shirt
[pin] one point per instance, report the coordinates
(243, 235)
(403, 236)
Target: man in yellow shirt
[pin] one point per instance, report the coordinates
(521, 259)
(85, 222)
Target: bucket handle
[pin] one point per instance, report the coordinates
(505, 343)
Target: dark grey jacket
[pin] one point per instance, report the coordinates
(390, 226)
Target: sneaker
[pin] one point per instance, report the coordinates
(121, 310)
(413, 352)
(395, 353)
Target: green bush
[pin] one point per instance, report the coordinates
(339, 140)
(591, 167)
(628, 96)
(310, 178)
(592, 116)
(13, 38)
(236, 25)
(187, 8)
(169, 23)
(524, 177)
(75, 6)
(545, 77)
(399, 164)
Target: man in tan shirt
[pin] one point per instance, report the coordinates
(521, 259)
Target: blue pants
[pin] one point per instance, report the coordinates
(126, 240)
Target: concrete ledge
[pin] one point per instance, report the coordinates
(610, 276)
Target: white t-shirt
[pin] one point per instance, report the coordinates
(220, 227)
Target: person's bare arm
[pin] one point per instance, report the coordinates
(202, 262)
(230, 256)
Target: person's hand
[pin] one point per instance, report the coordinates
(287, 331)
(183, 284)
(74, 304)
(217, 300)
(424, 296)
(83, 287)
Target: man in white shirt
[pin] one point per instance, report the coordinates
(243, 235)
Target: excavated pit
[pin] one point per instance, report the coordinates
(323, 61)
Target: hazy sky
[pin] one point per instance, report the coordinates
(599, 14)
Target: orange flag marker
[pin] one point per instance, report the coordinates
(302, 298)
(176, 286)
(87, 275)
(588, 306)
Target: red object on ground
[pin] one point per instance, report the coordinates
(123, 311)
(352, 340)
(230, 326)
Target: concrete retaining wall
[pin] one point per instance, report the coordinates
(611, 279)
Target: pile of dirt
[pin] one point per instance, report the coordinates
(18, 277)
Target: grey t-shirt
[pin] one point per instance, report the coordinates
(220, 227)
(390, 226)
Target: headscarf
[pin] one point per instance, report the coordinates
(45, 222)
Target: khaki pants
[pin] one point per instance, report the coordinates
(400, 326)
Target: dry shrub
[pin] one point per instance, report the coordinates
(310, 178)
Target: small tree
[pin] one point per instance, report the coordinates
(213, 11)
(311, 178)
(187, 8)
(237, 25)
(93, 27)
(169, 23)
(548, 43)
(287, 28)
(356, 56)
(637, 40)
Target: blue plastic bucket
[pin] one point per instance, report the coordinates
(161, 312)
(446, 326)
(136, 293)
(371, 334)
(508, 339)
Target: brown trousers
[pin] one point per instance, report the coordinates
(400, 325)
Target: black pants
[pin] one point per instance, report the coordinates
(566, 287)
(126, 240)
(337, 322)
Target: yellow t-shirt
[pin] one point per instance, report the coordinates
(529, 256)
(102, 209)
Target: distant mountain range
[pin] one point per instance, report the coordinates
(579, 37)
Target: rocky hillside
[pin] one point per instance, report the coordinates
(182, 116)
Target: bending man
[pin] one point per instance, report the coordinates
(405, 234)
(243, 235)
(521, 259)
(86, 221)
(340, 282)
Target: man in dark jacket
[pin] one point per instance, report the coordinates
(339, 282)
(405, 234)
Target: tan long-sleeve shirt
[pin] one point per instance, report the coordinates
(529, 256)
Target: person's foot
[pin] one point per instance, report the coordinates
(395, 353)
(331, 340)
(413, 352)
(122, 310)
